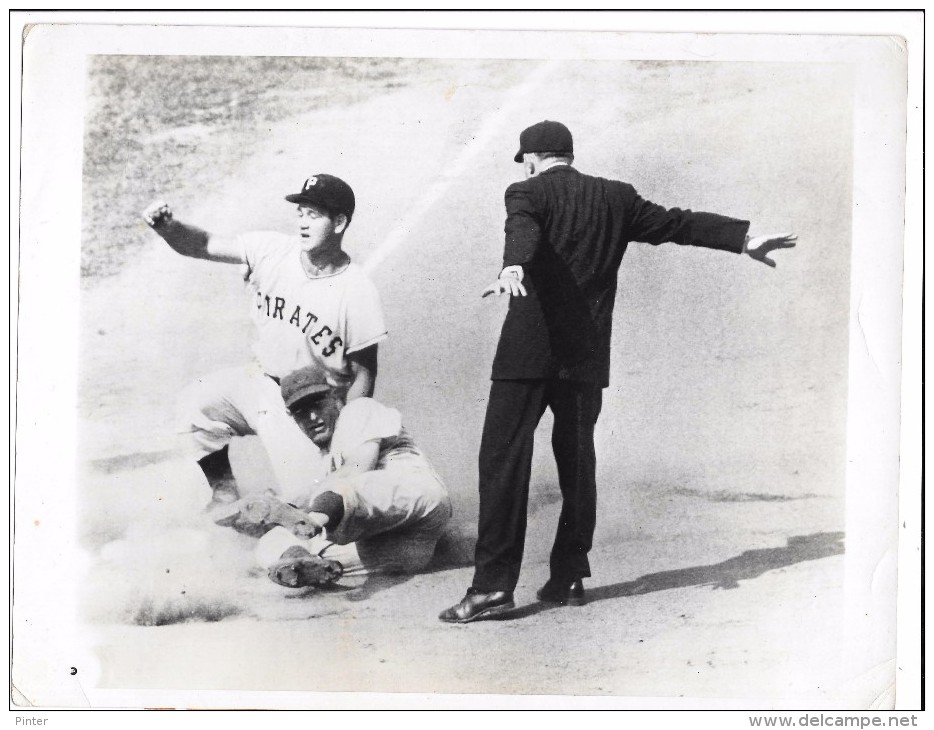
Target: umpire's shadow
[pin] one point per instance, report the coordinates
(727, 575)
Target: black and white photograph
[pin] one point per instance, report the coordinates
(444, 367)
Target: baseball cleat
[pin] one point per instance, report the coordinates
(298, 569)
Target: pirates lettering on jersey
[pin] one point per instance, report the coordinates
(275, 307)
(307, 322)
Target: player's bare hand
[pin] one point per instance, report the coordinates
(505, 285)
(157, 213)
(759, 247)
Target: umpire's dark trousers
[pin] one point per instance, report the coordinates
(513, 412)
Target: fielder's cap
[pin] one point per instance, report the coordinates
(308, 382)
(328, 192)
(545, 137)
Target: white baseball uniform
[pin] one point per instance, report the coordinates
(393, 515)
(300, 322)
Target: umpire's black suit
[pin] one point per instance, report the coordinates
(569, 232)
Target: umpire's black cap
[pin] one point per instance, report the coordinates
(328, 192)
(545, 136)
(306, 384)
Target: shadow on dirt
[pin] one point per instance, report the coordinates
(750, 564)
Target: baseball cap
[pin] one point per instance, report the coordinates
(545, 136)
(310, 382)
(328, 192)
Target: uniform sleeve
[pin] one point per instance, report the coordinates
(652, 223)
(523, 231)
(254, 247)
(362, 420)
(366, 324)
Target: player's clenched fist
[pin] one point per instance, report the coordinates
(157, 213)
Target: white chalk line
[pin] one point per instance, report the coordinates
(487, 132)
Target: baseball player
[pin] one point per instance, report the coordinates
(312, 308)
(376, 506)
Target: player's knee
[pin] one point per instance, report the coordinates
(204, 423)
(438, 512)
(417, 555)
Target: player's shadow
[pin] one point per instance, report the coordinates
(727, 575)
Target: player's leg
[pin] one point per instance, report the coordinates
(241, 402)
(403, 551)
(210, 415)
(293, 562)
(513, 412)
(296, 462)
(576, 407)
(296, 562)
(403, 542)
(410, 548)
(400, 495)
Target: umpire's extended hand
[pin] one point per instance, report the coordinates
(506, 285)
(509, 282)
(759, 247)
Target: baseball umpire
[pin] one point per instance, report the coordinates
(312, 307)
(376, 505)
(566, 234)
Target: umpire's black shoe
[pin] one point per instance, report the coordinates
(564, 593)
(478, 605)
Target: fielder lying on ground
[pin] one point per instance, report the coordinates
(377, 507)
